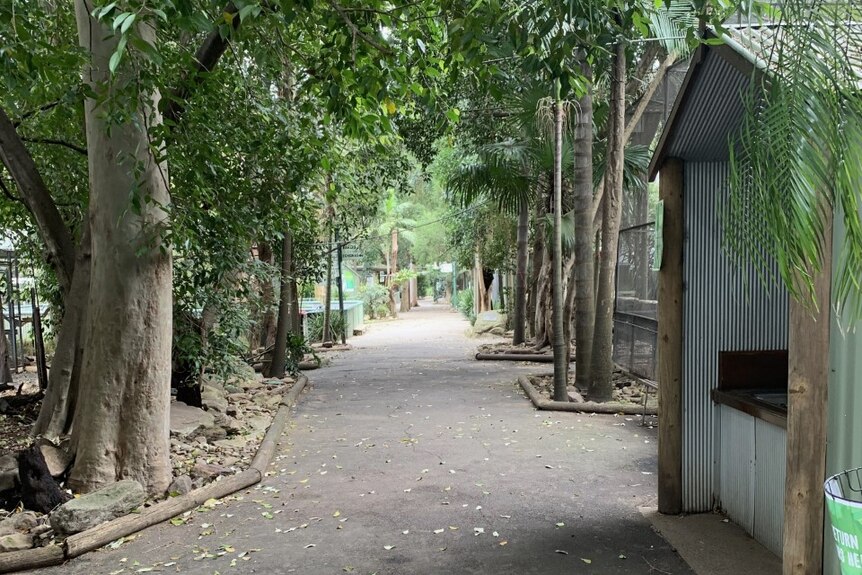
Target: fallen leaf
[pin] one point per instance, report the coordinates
(438, 531)
(389, 547)
(561, 552)
(587, 561)
(310, 545)
(503, 543)
(336, 514)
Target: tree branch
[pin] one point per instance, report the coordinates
(8, 193)
(74, 147)
(355, 29)
(43, 108)
(35, 195)
(206, 59)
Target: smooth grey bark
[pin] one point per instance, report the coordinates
(602, 386)
(560, 344)
(583, 284)
(122, 413)
(520, 307)
(58, 406)
(279, 352)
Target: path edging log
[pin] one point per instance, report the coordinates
(586, 407)
(539, 358)
(100, 535)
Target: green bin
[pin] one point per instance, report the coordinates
(844, 501)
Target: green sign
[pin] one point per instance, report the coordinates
(846, 530)
(659, 235)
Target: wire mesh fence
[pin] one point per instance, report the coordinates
(636, 305)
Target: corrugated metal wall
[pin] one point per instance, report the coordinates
(736, 474)
(725, 308)
(844, 443)
(770, 471)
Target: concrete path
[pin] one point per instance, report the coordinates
(410, 457)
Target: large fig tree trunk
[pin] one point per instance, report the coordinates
(520, 307)
(602, 385)
(393, 269)
(122, 414)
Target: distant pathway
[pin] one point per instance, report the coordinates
(410, 457)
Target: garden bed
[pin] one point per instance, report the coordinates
(214, 451)
(627, 398)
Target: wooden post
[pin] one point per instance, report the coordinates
(807, 413)
(670, 341)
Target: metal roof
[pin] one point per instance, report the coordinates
(709, 107)
(707, 111)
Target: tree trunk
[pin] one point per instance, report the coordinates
(541, 321)
(5, 369)
(124, 399)
(58, 407)
(267, 296)
(279, 352)
(560, 344)
(603, 366)
(537, 260)
(49, 223)
(327, 294)
(393, 269)
(583, 286)
(520, 308)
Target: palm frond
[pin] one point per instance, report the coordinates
(798, 156)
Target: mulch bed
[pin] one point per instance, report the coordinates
(627, 389)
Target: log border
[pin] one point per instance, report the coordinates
(586, 407)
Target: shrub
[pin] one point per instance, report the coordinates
(465, 305)
(375, 298)
(315, 326)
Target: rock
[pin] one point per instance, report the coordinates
(187, 421)
(268, 401)
(498, 331)
(230, 388)
(212, 434)
(258, 422)
(230, 461)
(18, 523)
(232, 427)
(8, 472)
(214, 400)
(232, 443)
(16, 542)
(204, 470)
(487, 321)
(180, 486)
(274, 382)
(58, 461)
(109, 502)
(251, 384)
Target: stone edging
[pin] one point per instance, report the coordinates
(99, 536)
(586, 407)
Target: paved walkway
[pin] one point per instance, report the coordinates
(410, 457)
